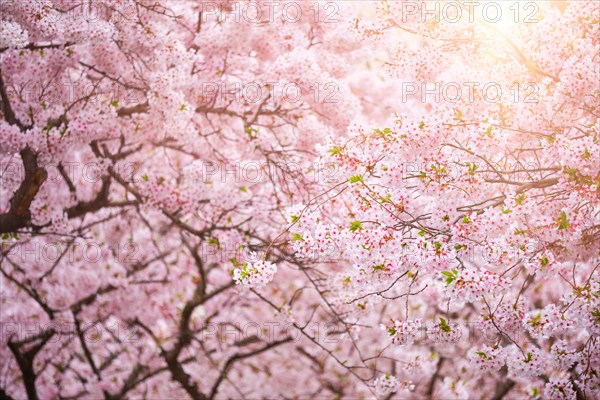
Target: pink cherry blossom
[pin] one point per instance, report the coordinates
(299, 199)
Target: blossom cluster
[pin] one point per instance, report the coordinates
(255, 275)
(469, 285)
(13, 35)
(388, 384)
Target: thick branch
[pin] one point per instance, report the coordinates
(25, 362)
(19, 215)
(84, 207)
(4, 395)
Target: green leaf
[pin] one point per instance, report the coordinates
(213, 242)
(488, 132)
(563, 222)
(355, 225)
(451, 276)
(335, 150)
(379, 267)
(572, 172)
(295, 218)
(444, 325)
(422, 125)
(544, 261)
(297, 237)
(392, 331)
(385, 132)
(481, 354)
(459, 116)
(356, 178)
(245, 272)
(519, 199)
(596, 314)
(251, 132)
(472, 168)
(586, 155)
(386, 199)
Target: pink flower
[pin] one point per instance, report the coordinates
(255, 275)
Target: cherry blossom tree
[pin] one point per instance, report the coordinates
(474, 215)
(233, 199)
